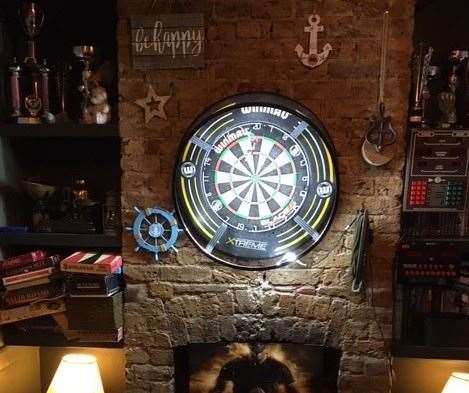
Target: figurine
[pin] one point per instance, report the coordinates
(98, 110)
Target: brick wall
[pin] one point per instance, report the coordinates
(188, 298)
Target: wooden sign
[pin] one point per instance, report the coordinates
(168, 41)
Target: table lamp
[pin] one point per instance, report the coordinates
(457, 383)
(77, 373)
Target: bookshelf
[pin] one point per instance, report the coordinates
(61, 153)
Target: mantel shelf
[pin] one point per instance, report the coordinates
(64, 130)
(60, 240)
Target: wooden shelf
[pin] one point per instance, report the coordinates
(14, 337)
(426, 352)
(60, 240)
(64, 130)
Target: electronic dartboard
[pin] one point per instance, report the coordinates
(256, 183)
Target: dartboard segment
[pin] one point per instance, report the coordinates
(255, 182)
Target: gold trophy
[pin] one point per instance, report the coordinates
(33, 78)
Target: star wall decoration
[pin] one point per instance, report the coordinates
(153, 105)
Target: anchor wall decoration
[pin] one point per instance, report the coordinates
(312, 58)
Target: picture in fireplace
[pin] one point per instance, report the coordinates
(256, 368)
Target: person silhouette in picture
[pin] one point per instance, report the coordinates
(255, 373)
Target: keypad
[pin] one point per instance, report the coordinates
(418, 193)
(454, 194)
(429, 194)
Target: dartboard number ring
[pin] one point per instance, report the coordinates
(256, 184)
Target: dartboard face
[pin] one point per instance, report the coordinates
(255, 182)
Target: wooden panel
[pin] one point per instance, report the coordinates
(168, 41)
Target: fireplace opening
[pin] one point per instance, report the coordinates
(256, 367)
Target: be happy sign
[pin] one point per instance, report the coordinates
(168, 41)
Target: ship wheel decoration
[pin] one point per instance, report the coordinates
(255, 181)
(155, 230)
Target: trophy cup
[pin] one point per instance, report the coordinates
(32, 17)
(30, 85)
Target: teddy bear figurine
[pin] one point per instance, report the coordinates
(98, 110)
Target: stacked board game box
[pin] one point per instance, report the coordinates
(31, 287)
(94, 296)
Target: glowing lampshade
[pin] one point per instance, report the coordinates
(77, 373)
(457, 383)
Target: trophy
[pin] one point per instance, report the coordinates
(61, 81)
(459, 77)
(94, 106)
(420, 64)
(447, 105)
(448, 100)
(85, 55)
(455, 59)
(431, 75)
(29, 81)
(15, 97)
(111, 214)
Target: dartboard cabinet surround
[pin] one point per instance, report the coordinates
(255, 182)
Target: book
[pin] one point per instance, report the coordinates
(32, 283)
(34, 310)
(21, 260)
(24, 296)
(51, 261)
(94, 263)
(91, 284)
(30, 276)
